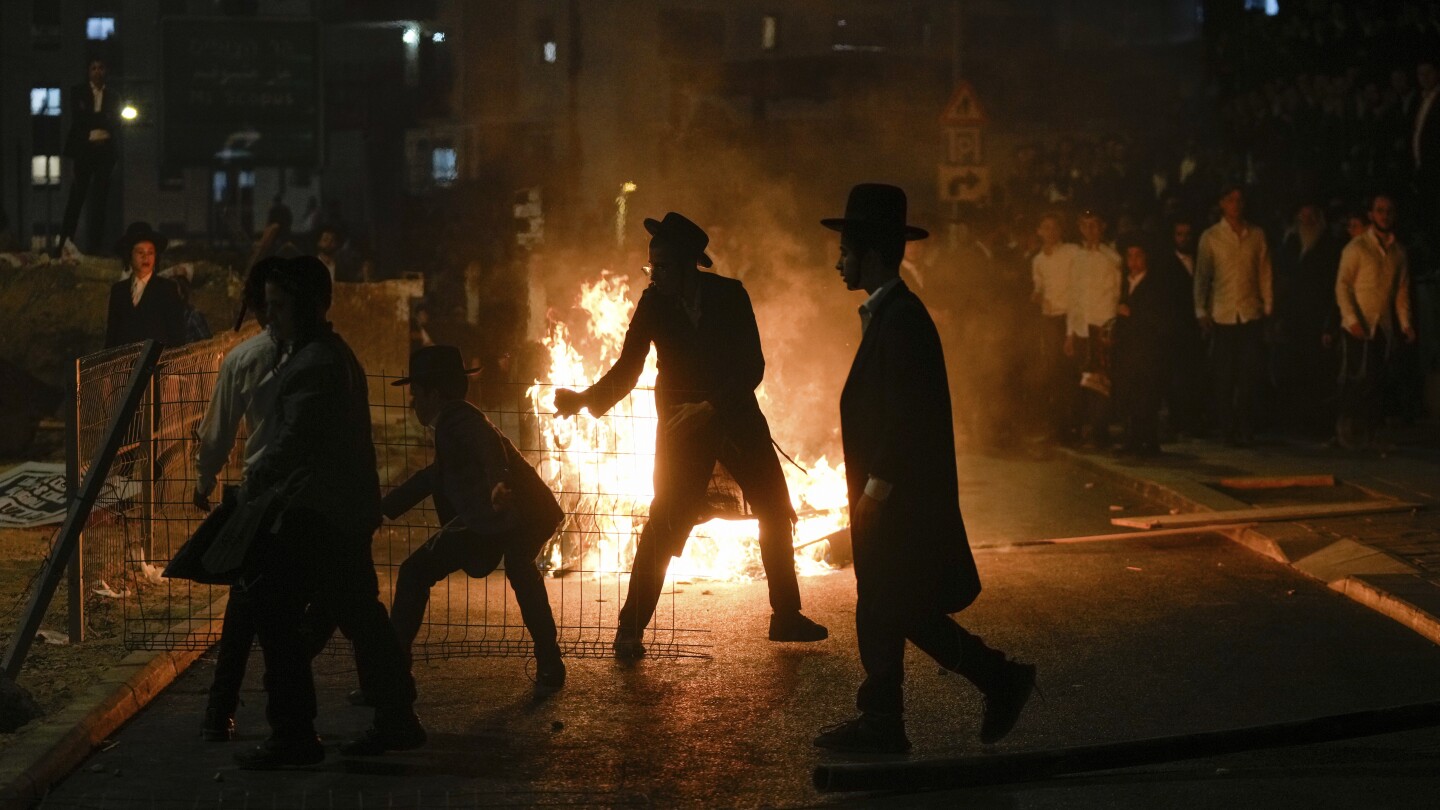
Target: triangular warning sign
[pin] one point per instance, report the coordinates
(964, 109)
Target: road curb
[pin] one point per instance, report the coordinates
(1367, 575)
(53, 749)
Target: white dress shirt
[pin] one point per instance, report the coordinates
(1094, 289)
(137, 288)
(97, 94)
(1372, 288)
(1050, 273)
(1187, 261)
(1233, 275)
(246, 386)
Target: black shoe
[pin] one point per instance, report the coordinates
(400, 736)
(273, 754)
(357, 697)
(866, 734)
(628, 646)
(549, 678)
(1004, 703)
(795, 627)
(217, 726)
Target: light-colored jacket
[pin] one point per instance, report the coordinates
(1233, 277)
(246, 386)
(1372, 288)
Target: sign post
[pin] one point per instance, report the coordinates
(964, 176)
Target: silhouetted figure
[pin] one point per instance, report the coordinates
(710, 361)
(1232, 298)
(912, 558)
(321, 553)
(90, 143)
(245, 389)
(492, 504)
(144, 306)
(1303, 360)
(1145, 325)
(1372, 290)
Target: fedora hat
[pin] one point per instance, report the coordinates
(876, 209)
(680, 232)
(140, 232)
(435, 362)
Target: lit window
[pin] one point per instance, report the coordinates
(100, 28)
(44, 101)
(437, 37)
(769, 29)
(444, 165)
(45, 170)
(247, 179)
(219, 185)
(550, 52)
(1270, 7)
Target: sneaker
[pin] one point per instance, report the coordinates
(274, 754)
(357, 697)
(1004, 703)
(866, 734)
(217, 726)
(628, 646)
(404, 735)
(796, 627)
(549, 678)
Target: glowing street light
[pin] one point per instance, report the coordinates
(129, 113)
(437, 37)
(411, 35)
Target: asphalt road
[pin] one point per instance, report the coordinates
(1133, 638)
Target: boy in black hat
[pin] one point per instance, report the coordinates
(144, 306)
(704, 332)
(492, 503)
(913, 564)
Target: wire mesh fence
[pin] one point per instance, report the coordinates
(599, 469)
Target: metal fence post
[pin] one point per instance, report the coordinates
(147, 468)
(76, 572)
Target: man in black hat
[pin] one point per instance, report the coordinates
(491, 502)
(912, 557)
(144, 306)
(323, 453)
(710, 361)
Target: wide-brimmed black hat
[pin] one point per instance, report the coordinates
(140, 232)
(429, 363)
(876, 209)
(680, 232)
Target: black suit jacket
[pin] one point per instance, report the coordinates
(84, 118)
(719, 360)
(323, 406)
(471, 457)
(895, 424)
(1145, 339)
(159, 316)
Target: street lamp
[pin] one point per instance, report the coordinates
(129, 113)
(411, 35)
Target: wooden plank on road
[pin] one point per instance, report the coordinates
(1296, 512)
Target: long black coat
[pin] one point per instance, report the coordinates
(1145, 340)
(160, 314)
(323, 406)
(84, 118)
(895, 423)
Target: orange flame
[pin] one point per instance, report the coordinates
(602, 468)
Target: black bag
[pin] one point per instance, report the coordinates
(187, 562)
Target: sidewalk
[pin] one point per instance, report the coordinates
(1387, 562)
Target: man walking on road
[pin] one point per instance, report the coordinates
(710, 361)
(321, 551)
(1233, 294)
(1372, 290)
(912, 559)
